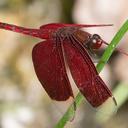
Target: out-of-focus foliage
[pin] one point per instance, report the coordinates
(23, 101)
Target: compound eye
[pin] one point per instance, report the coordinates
(96, 36)
(96, 41)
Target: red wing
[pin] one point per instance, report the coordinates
(49, 67)
(60, 25)
(84, 73)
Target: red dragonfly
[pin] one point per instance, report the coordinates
(66, 46)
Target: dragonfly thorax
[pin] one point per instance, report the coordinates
(65, 32)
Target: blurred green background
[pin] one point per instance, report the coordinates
(23, 101)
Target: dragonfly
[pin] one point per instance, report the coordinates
(66, 46)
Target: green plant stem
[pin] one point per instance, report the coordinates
(108, 52)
